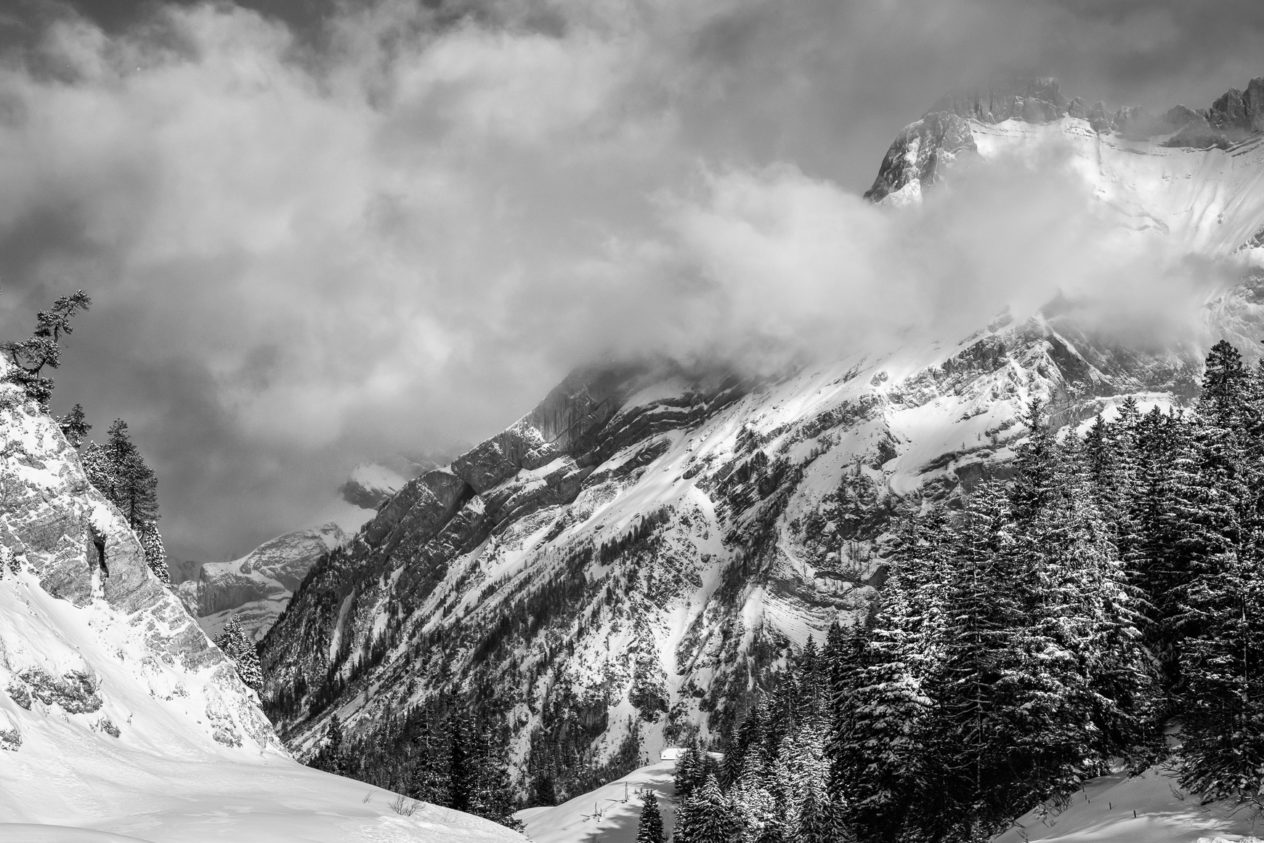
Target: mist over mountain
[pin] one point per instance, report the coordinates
(380, 225)
(862, 429)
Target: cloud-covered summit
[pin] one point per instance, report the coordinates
(320, 232)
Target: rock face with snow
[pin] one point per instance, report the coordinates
(953, 125)
(119, 719)
(140, 634)
(639, 550)
(255, 588)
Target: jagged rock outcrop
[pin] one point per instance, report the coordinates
(1034, 100)
(917, 157)
(920, 153)
(1241, 111)
(255, 588)
(55, 587)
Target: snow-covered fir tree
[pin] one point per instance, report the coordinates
(650, 827)
(238, 647)
(707, 817)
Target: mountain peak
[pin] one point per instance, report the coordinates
(1034, 99)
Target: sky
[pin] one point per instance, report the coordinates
(318, 233)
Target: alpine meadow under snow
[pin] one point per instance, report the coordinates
(930, 514)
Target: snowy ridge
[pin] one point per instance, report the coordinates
(1211, 200)
(118, 717)
(255, 588)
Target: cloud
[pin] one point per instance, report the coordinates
(358, 229)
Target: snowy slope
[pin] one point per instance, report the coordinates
(118, 717)
(255, 588)
(642, 548)
(609, 814)
(1150, 808)
(1211, 200)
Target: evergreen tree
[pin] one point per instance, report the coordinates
(690, 771)
(155, 551)
(821, 821)
(135, 488)
(650, 827)
(331, 757)
(238, 647)
(461, 777)
(1221, 613)
(74, 426)
(119, 472)
(99, 469)
(43, 349)
(707, 817)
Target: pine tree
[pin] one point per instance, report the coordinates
(238, 647)
(43, 349)
(821, 821)
(461, 775)
(650, 827)
(689, 772)
(119, 472)
(982, 668)
(155, 551)
(707, 817)
(99, 469)
(135, 488)
(331, 756)
(1222, 605)
(878, 751)
(74, 426)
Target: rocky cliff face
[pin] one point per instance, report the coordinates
(917, 157)
(255, 588)
(84, 635)
(635, 554)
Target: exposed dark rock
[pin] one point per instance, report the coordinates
(1032, 99)
(75, 692)
(921, 151)
(19, 694)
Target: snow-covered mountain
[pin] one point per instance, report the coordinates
(638, 551)
(255, 588)
(118, 717)
(370, 484)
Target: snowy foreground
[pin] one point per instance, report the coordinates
(1164, 813)
(1102, 813)
(608, 814)
(136, 796)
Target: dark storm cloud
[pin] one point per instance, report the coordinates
(321, 232)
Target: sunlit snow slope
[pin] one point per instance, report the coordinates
(1150, 808)
(609, 814)
(117, 715)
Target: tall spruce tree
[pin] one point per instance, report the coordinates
(1221, 615)
(707, 817)
(650, 827)
(238, 647)
(118, 471)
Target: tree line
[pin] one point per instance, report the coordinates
(1029, 639)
